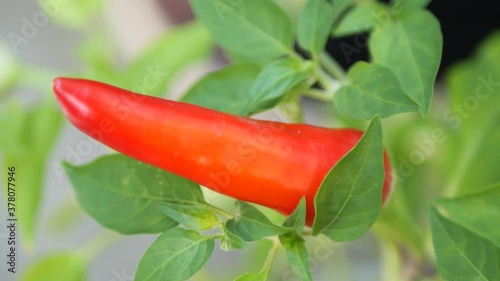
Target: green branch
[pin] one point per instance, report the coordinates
(332, 67)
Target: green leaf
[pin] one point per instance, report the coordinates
(192, 216)
(266, 269)
(26, 127)
(251, 225)
(152, 71)
(404, 6)
(120, 193)
(70, 266)
(177, 254)
(261, 276)
(43, 124)
(31, 135)
(99, 55)
(478, 147)
(274, 81)
(340, 6)
(292, 8)
(14, 122)
(363, 17)
(73, 14)
(372, 90)
(231, 241)
(10, 69)
(296, 253)
(350, 197)
(296, 221)
(474, 88)
(315, 25)
(64, 218)
(29, 177)
(463, 254)
(257, 29)
(476, 212)
(411, 47)
(224, 90)
(488, 52)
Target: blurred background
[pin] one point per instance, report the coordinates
(109, 41)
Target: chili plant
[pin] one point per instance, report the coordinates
(439, 220)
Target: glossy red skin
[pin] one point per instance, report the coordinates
(268, 163)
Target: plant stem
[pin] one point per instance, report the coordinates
(307, 232)
(391, 258)
(272, 253)
(291, 108)
(324, 79)
(318, 95)
(332, 67)
(216, 236)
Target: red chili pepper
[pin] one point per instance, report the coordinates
(269, 163)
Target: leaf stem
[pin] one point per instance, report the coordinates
(270, 257)
(307, 232)
(218, 211)
(332, 66)
(324, 79)
(318, 95)
(216, 236)
(294, 55)
(391, 258)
